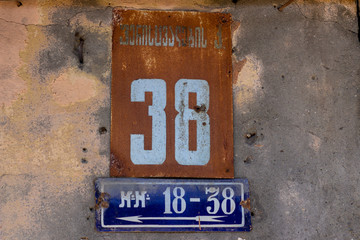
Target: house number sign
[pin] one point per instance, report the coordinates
(171, 95)
(171, 117)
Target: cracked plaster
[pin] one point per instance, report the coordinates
(306, 111)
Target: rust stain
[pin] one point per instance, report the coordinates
(116, 165)
(170, 46)
(285, 5)
(245, 204)
(238, 66)
(234, 26)
(102, 201)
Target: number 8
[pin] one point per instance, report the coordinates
(182, 153)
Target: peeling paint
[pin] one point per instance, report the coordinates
(289, 194)
(51, 110)
(315, 142)
(46, 119)
(11, 43)
(236, 31)
(28, 13)
(95, 24)
(74, 86)
(248, 87)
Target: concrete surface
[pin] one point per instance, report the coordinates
(296, 85)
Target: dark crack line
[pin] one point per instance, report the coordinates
(333, 22)
(358, 17)
(15, 175)
(90, 11)
(28, 25)
(56, 24)
(7, 21)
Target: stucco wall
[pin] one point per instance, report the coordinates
(296, 85)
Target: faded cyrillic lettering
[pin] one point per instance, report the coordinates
(171, 43)
(138, 35)
(191, 38)
(158, 35)
(165, 39)
(132, 39)
(147, 35)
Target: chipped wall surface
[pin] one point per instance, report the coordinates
(296, 93)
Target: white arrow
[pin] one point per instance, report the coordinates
(139, 219)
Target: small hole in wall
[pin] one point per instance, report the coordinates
(248, 159)
(102, 130)
(84, 150)
(19, 4)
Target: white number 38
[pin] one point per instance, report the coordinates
(183, 155)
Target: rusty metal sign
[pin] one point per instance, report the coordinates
(171, 95)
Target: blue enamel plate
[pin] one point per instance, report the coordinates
(172, 205)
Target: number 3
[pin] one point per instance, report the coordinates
(182, 153)
(158, 153)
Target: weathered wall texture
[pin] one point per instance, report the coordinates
(296, 85)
